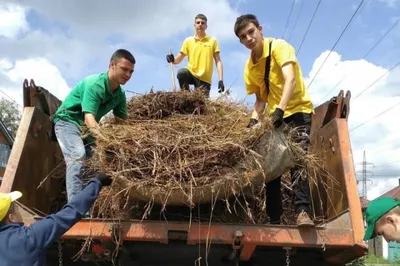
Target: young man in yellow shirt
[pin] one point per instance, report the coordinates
(273, 74)
(201, 50)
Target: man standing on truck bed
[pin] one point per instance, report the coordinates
(201, 49)
(22, 245)
(273, 74)
(86, 104)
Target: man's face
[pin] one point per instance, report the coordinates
(200, 25)
(389, 228)
(251, 36)
(122, 70)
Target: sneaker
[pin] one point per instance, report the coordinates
(303, 220)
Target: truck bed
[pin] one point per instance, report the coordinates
(336, 241)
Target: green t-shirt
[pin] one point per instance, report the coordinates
(92, 95)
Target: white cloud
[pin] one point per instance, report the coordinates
(136, 20)
(43, 72)
(379, 137)
(13, 20)
(83, 35)
(378, 187)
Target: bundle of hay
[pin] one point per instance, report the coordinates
(178, 148)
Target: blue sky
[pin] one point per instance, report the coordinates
(328, 24)
(59, 44)
(330, 20)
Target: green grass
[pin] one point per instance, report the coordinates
(375, 260)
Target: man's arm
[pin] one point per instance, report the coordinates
(289, 85)
(90, 121)
(179, 58)
(182, 53)
(91, 100)
(218, 63)
(259, 107)
(121, 110)
(42, 233)
(285, 56)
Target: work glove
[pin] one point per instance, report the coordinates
(277, 117)
(170, 58)
(252, 122)
(104, 179)
(221, 86)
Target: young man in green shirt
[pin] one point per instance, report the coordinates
(91, 99)
(383, 219)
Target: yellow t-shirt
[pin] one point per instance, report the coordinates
(282, 52)
(200, 54)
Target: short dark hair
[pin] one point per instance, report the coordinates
(10, 210)
(122, 53)
(243, 21)
(201, 16)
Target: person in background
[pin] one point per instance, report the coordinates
(273, 74)
(201, 50)
(26, 245)
(383, 219)
(90, 100)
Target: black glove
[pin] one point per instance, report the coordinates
(221, 86)
(252, 122)
(277, 117)
(104, 179)
(170, 58)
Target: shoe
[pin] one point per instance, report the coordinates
(303, 220)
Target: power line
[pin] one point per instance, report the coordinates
(3, 92)
(384, 35)
(369, 51)
(309, 25)
(378, 145)
(337, 41)
(389, 163)
(375, 81)
(329, 92)
(297, 19)
(387, 110)
(288, 19)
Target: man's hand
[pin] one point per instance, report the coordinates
(104, 179)
(221, 86)
(277, 117)
(170, 58)
(252, 122)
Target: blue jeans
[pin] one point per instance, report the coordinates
(75, 152)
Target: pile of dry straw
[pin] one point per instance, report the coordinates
(177, 154)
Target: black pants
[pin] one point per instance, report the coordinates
(301, 189)
(186, 78)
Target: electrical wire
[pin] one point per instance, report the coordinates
(297, 19)
(378, 115)
(369, 51)
(337, 41)
(375, 81)
(288, 19)
(309, 25)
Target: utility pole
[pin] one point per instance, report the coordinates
(364, 178)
